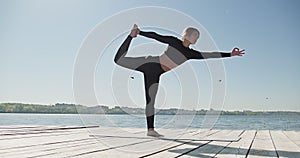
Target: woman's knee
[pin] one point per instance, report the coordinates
(150, 110)
(119, 61)
(116, 60)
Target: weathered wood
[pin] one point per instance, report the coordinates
(57, 142)
(284, 146)
(262, 146)
(36, 141)
(44, 131)
(103, 144)
(238, 149)
(171, 134)
(145, 149)
(293, 136)
(85, 148)
(184, 146)
(137, 150)
(212, 147)
(63, 147)
(9, 142)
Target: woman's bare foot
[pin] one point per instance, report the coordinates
(134, 31)
(153, 133)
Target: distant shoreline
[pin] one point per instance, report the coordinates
(62, 108)
(260, 114)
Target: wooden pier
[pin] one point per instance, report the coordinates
(101, 142)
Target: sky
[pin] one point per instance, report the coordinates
(40, 42)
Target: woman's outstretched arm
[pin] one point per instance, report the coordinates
(205, 55)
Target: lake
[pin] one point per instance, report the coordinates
(247, 122)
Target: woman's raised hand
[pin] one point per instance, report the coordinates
(237, 52)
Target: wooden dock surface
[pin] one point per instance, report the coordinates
(101, 142)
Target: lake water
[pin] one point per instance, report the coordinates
(247, 122)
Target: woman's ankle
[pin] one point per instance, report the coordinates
(134, 31)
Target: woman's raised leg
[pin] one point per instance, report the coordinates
(129, 62)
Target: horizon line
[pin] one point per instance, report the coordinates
(122, 106)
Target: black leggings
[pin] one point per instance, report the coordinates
(151, 69)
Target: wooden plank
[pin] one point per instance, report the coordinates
(130, 149)
(18, 127)
(168, 134)
(13, 129)
(39, 134)
(213, 147)
(187, 146)
(172, 134)
(284, 146)
(174, 150)
(104, 131)
(71, 149)
(138, 150)
(18, 133)
(262, 146)
(53, 141)
(44, 149)
(51, 131)
(294, 136)
(208, 150)
(238, 149)
(30, 143)
(36, 141)
(110, 144)
(199, 137)
(37, 129)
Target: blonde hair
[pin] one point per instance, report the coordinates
(187, 32)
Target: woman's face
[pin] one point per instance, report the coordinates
(193, 37)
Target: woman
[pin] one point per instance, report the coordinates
(152, 67)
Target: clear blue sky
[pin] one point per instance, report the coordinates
(39, 41)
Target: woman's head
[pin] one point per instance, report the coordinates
(191, 34)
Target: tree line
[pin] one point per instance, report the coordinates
(62, 108)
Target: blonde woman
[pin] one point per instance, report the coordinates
(152, 67)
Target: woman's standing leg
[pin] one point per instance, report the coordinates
(151, 87)
(152, 72)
